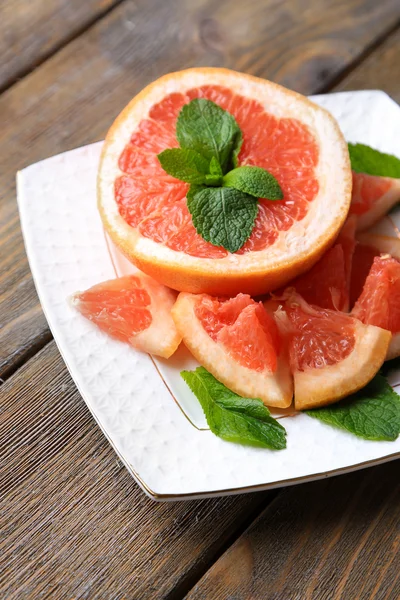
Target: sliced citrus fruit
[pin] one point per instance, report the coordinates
(144, 210)
(238, 342)
(372, 198)
(327, 283)
(363, 258)
(379, 302)
(133, 309)
(332, 354)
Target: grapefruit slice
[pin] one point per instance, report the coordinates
(331, 354)
(238, 342)
(372, 198)
(144, 209)
(379, 302)
(327, 283)
(133, 309)
(363, 258)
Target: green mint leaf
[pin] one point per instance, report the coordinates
(233, 418)
(208, 129)
(254, 181)
(194, 188)
(223, 216)
(184, 164)
(215, 167)
(373, 413)
(367, 160)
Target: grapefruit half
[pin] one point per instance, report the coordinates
(238, 342)
(144, 209)
(331, 354)
(133, 309)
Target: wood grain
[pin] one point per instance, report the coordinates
(380, 71)
(73, 97)
(31, 31)
(73, 523)
(336, 539)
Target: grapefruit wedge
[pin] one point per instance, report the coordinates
(372, 198)
(327, 283)
(238, 342)
(379, 302)
(331, 354)
(144, 210)
(133, 309)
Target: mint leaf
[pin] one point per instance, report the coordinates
(373, 413)
(255, 181)
(215, 167)
(215, 176)
(233, 418)
(367, 160)
(223, 216)
(210, 130)
(184, 164)
(192, 191)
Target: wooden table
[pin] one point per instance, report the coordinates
(73, 522)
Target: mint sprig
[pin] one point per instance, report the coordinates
(233, 418)
(373, 413)
(365, 159)
(222, 197)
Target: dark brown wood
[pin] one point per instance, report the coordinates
(31, 31)
(336, 539)
(74, 96)
(73, 522)
(380, 71)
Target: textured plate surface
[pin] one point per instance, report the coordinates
(142, 417)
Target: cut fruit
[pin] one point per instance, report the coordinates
(372, 198)
(144, 209)
(331, 354)
(379, 302)
(327, 283)
(363, 258)
(238, 342)
(134, 309)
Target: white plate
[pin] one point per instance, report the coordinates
(149, 416)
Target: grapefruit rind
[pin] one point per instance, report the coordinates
(161, 338)
(394, 347)
(255, 273)
(274, 389)
(320, 387)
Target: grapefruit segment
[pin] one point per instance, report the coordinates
(372, 198)
(144, 210)
(133, 309)
(327, 283)
(332, 354)
(239, 343)
(379, 302)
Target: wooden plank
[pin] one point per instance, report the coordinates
(31, 31)
(380, 71)
(73, 522)
(336, 539)
(72, 98)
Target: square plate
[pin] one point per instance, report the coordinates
(147, 413)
